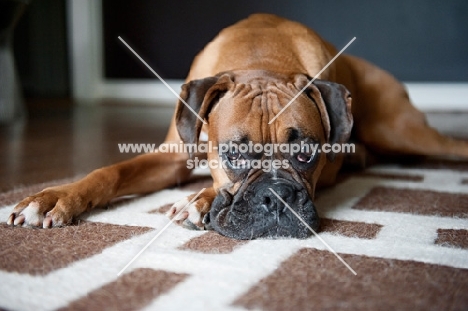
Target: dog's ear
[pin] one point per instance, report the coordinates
(199, 97)
(334, 103)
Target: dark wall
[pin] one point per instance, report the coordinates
(40, 48)
(418, 40)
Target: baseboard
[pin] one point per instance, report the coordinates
(153, 92)
(439, 96)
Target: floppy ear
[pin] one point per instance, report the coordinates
(200, 95)
(334, 103)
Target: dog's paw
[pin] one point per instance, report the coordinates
(192, 215)
(52, 207)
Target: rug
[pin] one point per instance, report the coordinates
(402, 229)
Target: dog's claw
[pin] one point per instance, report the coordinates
(47, 223)
(170, 213)
(18, 220)
(11, 219)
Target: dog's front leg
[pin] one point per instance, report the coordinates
(56, 206)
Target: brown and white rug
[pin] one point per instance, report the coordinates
(404, 230)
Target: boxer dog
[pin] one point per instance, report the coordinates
(237, 85)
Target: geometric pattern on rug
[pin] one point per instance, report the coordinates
(313, 280)
(212, 243)
(422, 202)
(452, 238)
(403, 230)
(350, 228)
(131, 291)
(38, 252)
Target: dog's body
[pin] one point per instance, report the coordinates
(238, 83)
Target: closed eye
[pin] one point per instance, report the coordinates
(236, 160)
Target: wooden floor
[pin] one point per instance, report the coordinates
(62, 139)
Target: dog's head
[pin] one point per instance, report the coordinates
(260, 168)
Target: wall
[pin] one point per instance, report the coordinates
(419, 40)
(40, 48)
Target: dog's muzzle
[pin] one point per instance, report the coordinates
(257, 212)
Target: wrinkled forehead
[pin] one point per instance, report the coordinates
(245, 111)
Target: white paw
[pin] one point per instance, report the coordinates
(30, 215)
(187, 214)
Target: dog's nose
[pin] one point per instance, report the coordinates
(266, 196)
(261, 210)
